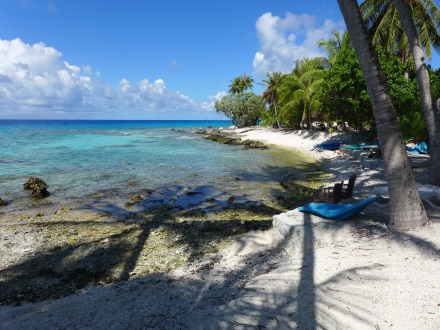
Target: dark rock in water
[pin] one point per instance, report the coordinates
(192, 193)
(3, 203)
(40, 192)
(215, 132)
(37, 186)
(248, 144)
(223, 139)
(136, 198)
(33, 183)
(200, 131)
(254, 144)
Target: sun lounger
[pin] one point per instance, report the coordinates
(426, 193)
(337, 211)
(329, 146)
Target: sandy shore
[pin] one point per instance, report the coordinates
(364, 277)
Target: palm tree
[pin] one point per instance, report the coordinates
(240, 84)
(270, 95)
(431, 117)
(246, 82)
(385, 23)
(407, 210)
(333, 45)
(235, 87)
(299, 90)
(409, 27)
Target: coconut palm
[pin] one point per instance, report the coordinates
(247, 82)
(273, 85)
(235, 87)
(385, 23)
(406, 208)
(409, 26)
(431, 117)
(333, 45)
(240, 84)
(299, 92)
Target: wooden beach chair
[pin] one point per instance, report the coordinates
(347, 188)
(329, 194)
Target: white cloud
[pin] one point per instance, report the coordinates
(285, 40)
(34, 79)
(210, 106)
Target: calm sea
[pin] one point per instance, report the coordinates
(79, 159)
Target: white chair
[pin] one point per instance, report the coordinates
(426, 192)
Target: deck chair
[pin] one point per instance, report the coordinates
(427, 192)
(347, 188)
(329, 195)
(337, 211)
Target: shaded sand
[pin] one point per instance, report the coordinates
(360, 276)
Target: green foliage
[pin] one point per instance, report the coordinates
(299, 91)
(343, 93)
(273, 85)
(404, 90)
(344, 96)
(383, 21)
(434, 76)
(241, 84)
(243, 109)
(268, 118)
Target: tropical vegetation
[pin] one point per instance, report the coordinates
(243, 109)
(380, 56)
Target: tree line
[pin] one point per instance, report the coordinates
(374, 77)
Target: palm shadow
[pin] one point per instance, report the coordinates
(266, 289)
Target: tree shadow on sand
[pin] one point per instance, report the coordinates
(70, 253)
(264, 289)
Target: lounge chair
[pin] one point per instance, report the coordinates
(329, 195)
(426, 193)
(337, 211)
(329, 146)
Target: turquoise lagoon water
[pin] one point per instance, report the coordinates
(79, 159)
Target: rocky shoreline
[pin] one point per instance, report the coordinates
(50, 252)
(343, 281)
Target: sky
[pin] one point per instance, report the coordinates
(150, 60)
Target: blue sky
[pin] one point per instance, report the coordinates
(134, 59)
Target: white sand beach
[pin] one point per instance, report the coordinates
(353, 274)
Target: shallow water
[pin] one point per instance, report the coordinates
(113, 159)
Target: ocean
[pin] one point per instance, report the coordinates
(100, 164)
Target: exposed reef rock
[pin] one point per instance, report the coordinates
(38, 187)
(235, 141)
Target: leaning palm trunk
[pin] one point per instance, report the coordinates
(276, 115)
(431, 117)
(406, 208)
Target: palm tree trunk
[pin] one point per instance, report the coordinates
(276, 115)
(431, 117)
(406, 208)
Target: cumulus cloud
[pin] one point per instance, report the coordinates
(210, 105)
(285, 40)
(35, 78)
